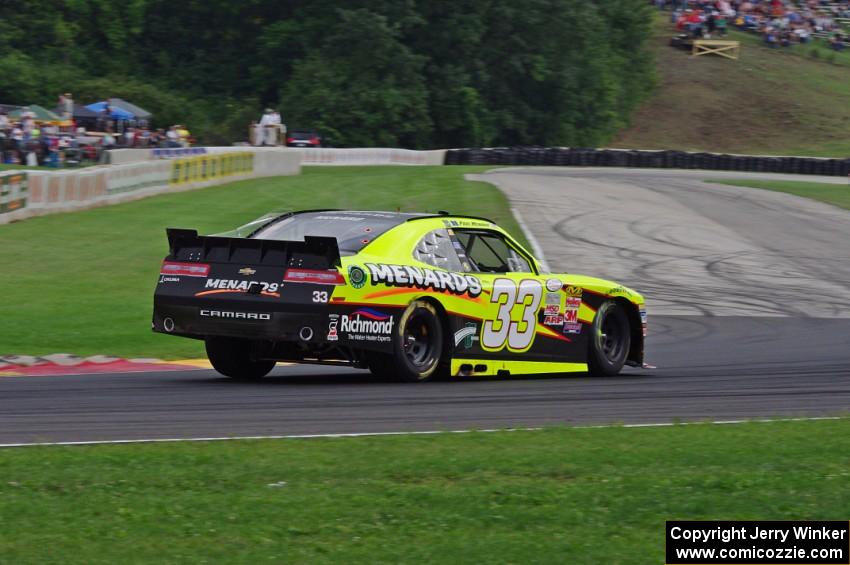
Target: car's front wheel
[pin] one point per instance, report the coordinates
(610, 340)
(233, 358)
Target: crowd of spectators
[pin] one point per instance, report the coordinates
(28, 141)
(780, 23)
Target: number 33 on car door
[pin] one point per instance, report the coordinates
(515, 316)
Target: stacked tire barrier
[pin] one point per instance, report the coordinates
(578, 157)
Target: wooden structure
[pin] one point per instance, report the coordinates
(728, 49)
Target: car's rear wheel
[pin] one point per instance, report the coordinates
(418, 346)
(610, 340)
(233, 358)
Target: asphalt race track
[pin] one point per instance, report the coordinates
(749, 301)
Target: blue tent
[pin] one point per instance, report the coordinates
(116, 113)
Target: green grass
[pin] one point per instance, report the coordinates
(554, 496)
(835, 194)
(83, 282)
(771, 101)
(5, 167)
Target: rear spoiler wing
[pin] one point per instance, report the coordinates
(312, 253)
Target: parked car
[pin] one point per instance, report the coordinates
(303, 138)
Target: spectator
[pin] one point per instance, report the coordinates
(130, 137)
(172, 137)
(720, 22)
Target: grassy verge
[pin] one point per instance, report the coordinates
(770, 101)
(835, 194)
(5, 167)
(83, 282)
(554, 496)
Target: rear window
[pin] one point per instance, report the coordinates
(302, 134)
(352, 230)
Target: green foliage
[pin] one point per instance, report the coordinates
(410, 73)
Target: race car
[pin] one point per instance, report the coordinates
(409, 296)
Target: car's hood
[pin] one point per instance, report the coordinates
(602, 286)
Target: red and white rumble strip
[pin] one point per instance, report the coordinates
(67, 364)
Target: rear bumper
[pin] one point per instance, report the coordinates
(241, 321)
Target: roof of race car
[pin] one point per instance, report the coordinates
(352, 229)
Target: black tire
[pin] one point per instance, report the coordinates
(382, 366)
(232, 358)
(418, 343)
(610, 340)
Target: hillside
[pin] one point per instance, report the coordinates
(770, 101)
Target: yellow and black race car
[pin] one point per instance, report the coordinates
(408, 296)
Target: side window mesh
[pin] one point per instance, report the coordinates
(436, 250)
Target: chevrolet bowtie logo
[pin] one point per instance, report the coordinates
(246, 271)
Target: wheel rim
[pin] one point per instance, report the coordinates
(417, 341)
(611, 339)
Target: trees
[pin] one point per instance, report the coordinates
(412, 73)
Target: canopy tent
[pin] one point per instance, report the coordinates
(9, 108)
(79, 112)
(116, 113)
(140, 113)
(41, 114)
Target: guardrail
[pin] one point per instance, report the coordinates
(578, 157)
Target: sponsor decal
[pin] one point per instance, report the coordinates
(333, 321)
(247, 271)
(356, 276)
(164, 279)
(553, 298)
(571, 309)
(553, 285)
(416, 277)
(619, 290)
(466, 335)
(235, 315)
(555, 320)
(552, 310)
(366, 324)
(573, 290)
(572, 328)
(242, 286)
(643, 321)
(340, 218)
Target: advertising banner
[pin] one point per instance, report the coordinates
(14, 192)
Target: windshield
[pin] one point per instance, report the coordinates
(352, 230)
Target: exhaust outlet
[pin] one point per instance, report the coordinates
(168, 325)
(306, 333)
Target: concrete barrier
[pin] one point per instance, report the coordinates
(352, 156)
(369, 156)
(127, 156)
(47, 192)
